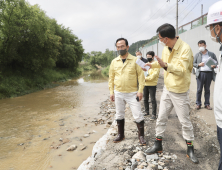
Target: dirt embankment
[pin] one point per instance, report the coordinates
(129, 155)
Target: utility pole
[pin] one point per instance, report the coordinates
(202, 13)
(201, 9)
(176, 15)
(157, 49)
(177, 19)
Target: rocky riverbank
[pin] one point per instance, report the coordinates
(129, 155)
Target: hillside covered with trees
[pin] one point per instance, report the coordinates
(135, 46)
(34, 49)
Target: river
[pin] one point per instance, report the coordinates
(32, 126)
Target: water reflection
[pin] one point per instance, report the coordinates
(30, 124)
(94, 77)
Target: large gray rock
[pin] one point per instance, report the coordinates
(174, 156)
(149, 157)
(71, 148)
(139, 155)
(86, 135)
(160, 167)
(152, 167)
(134, 165)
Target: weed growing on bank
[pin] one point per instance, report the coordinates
(105, 71)
(17, 83)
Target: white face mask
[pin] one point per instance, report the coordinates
(162, 43)
(213, 38)
(139, 57)
(202, 49)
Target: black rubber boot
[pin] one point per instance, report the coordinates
(190, 152)
(140, 127)
(120, 136)
(156, 148)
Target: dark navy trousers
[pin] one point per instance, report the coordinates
(204, 80)
(219, 137)
(150, 90)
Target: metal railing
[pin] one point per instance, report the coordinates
(186, 27)
(193, 24)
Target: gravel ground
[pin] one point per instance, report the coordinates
(129, 155)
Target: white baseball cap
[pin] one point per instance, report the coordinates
(215, 13)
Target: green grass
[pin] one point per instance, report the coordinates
(86, 67)
(17, 83)
(105, 71)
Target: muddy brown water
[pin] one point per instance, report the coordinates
(31, 124)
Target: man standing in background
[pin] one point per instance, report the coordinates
(214, 25)
(150, 86)
(139, 55)
(204, 74)
(124, 74)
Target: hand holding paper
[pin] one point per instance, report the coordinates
(142, 65)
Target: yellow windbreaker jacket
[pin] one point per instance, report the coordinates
(125, 76)
(152, 78)
(180, 64)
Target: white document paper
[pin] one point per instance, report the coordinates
(142, 64)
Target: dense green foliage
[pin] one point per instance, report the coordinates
(33, 47)
(97, 58)
(105, 71)
(135, 46)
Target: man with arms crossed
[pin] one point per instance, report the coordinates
(124, 74)
(177, 61)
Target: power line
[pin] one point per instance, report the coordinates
(187, 7)
(161, 17)
(191, 10)
(147, 20)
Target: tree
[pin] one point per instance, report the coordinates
(71, 51)
(28, 40)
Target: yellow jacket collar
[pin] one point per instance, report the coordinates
(177, 45)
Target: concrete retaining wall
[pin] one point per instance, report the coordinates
(191, 37)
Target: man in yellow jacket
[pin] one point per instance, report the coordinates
(124, 74)
(150, 86)
(177, 61)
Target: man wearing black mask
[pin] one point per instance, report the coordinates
(124, 74)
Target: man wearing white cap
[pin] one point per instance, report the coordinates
(214, 25)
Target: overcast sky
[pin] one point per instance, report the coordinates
(98, 23)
